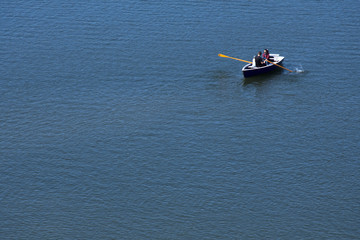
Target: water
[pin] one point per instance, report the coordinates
(119, 121)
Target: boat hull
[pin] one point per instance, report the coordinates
(250, 71)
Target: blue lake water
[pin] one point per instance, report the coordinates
(119, 121)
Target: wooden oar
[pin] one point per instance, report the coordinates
(278, 65)
(224, 56)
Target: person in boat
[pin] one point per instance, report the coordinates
(259, 62)
(266, 56)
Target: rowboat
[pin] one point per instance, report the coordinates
(250, 70)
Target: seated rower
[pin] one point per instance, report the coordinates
(259, 61)
(266, 56)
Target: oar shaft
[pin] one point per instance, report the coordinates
(278, 65)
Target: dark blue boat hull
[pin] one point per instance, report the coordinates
(250, 72)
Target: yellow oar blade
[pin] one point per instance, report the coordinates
(224, 56)
(278, 65)
(221, 55)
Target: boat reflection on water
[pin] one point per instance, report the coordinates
(264, 77)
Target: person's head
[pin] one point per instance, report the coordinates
(259, 53)
(266, 51)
